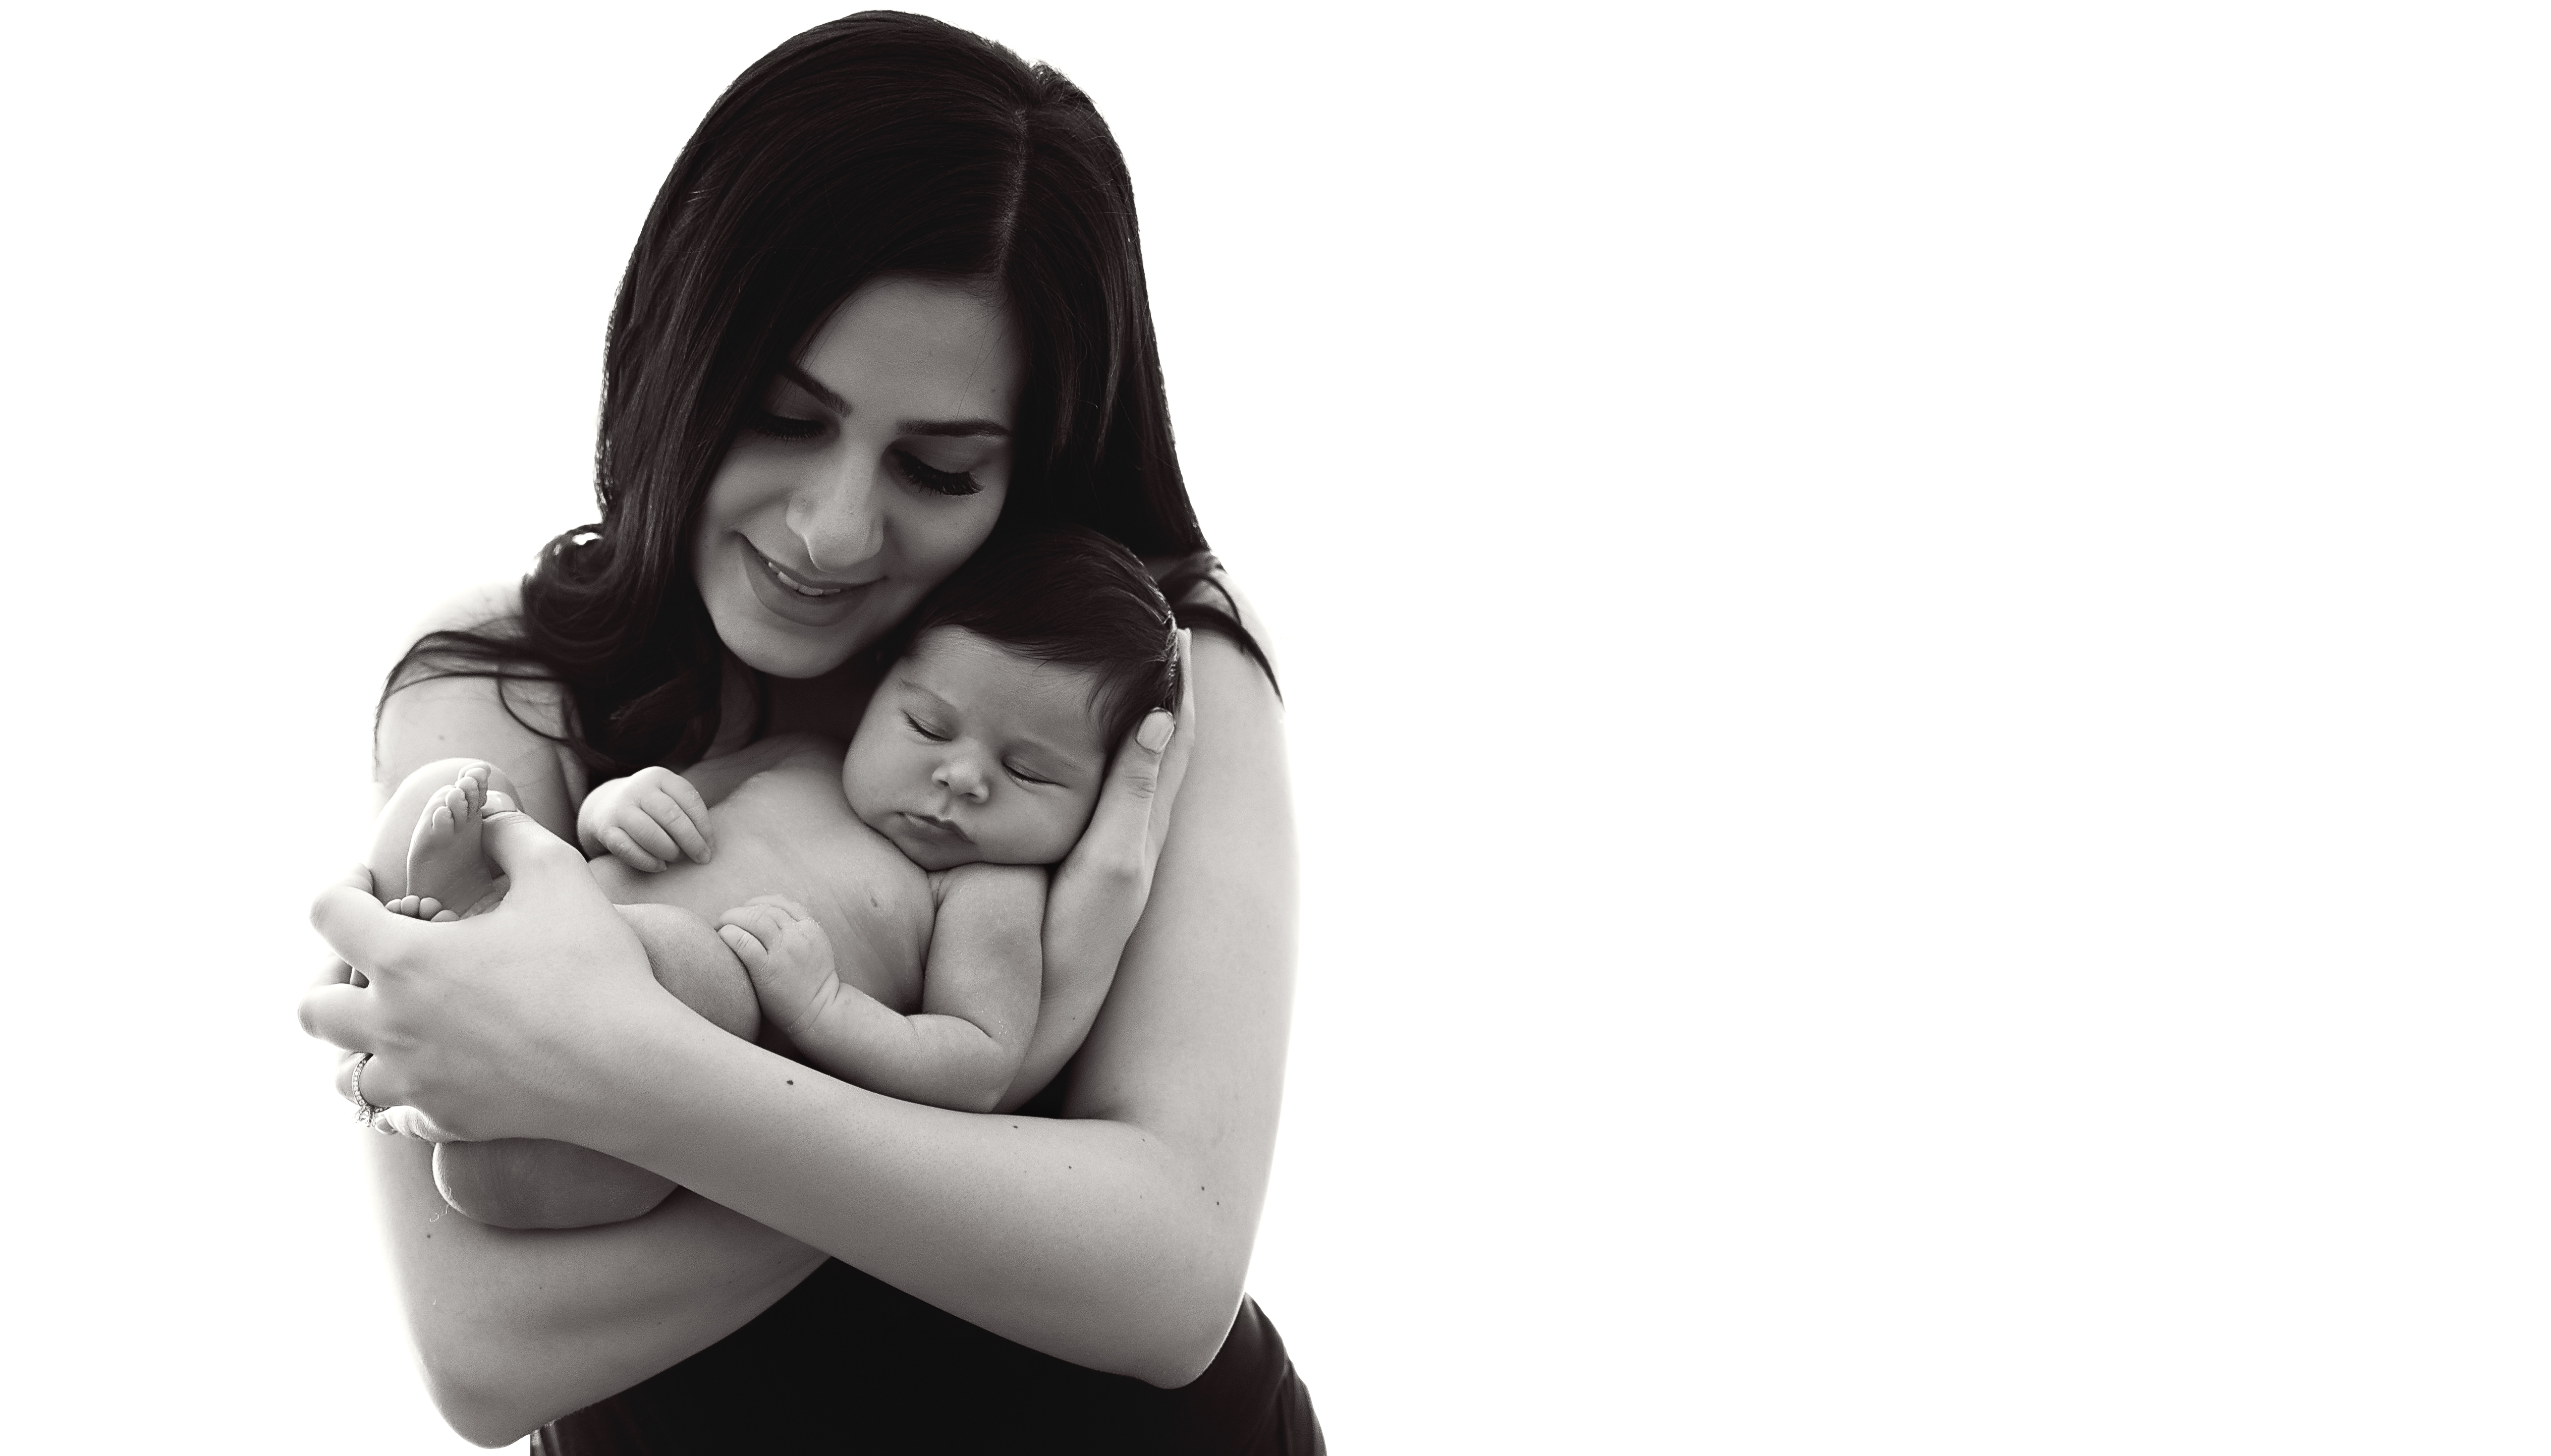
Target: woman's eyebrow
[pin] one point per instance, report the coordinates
(812, 385)
(993, 428)
(947, 429)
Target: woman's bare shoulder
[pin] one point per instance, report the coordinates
(1215, 587)
(517, 722)
(496, 604)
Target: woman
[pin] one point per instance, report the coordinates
(889, 299)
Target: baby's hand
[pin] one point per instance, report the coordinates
(646, 821)
(788, 957)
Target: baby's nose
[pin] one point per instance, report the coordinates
(962, 776)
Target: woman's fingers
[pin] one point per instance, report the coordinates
(401, 1120)
(343, 1078)
(532, 857)
(341, 1015)
(1132, 818)
(1182, 747)
(357, 927)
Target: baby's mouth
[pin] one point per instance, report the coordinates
(936, 827)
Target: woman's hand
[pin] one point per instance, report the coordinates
(489, 1025)
(1099, 892)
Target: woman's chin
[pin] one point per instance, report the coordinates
(780, 653)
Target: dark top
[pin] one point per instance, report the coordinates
(845, 1363)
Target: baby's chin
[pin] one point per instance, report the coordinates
(929, 850)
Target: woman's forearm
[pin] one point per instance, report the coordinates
(1097, 1241)
(516, 1328)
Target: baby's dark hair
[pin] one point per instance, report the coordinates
(1070, 596)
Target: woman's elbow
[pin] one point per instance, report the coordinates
(480, 1418)
(472, 1395)
(1186, 1335)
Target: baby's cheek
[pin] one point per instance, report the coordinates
(1073, 821)
(858, 786)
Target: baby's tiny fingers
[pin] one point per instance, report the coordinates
(762, 921)
(676, 823)
(696, 809)
(642, 829)
(743, 942)
(782, 904)
(624, 848)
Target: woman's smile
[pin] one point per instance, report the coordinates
(804, 584)
(871, 468)
(785, 594)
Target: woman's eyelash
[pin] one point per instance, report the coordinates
(784, 427)
(940, 482)
(945, 482)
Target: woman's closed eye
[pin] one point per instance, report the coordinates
(943, 483)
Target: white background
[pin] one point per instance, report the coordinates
(1913, 636)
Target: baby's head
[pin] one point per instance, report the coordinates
(988, 737)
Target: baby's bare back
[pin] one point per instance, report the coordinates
(788, 831)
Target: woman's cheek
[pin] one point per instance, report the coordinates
(955, 538)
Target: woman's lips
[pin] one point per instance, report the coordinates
(807, 600)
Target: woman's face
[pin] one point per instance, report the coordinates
(869, 470)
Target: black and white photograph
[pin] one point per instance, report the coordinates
(1129, 727)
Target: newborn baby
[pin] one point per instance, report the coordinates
(887, 902)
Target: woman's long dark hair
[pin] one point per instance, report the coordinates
(881, 143)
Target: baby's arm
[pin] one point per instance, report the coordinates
(978, 992)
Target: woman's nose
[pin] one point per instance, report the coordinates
(837, 516)
(964, 778)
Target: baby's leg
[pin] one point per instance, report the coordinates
(535, 1182)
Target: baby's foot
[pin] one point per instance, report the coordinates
(444, 861)
(421, 906)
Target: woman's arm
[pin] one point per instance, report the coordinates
(517, 1327)
(1117, 1239)
(581, 1313)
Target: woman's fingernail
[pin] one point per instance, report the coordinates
(1155, 733)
